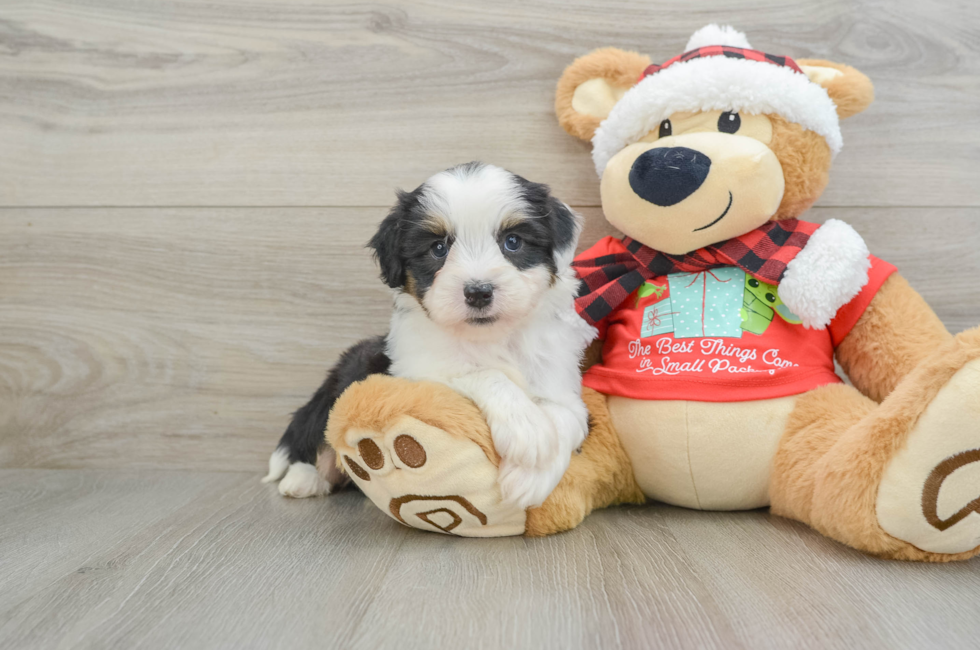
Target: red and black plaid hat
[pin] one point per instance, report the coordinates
(719, 70)
(723, 50)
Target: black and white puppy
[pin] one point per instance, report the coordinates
(479, 259)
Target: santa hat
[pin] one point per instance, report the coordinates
(719, 70)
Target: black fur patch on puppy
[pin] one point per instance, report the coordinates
(537, 246)
(304, 437)
(551, 227)
(403, 244)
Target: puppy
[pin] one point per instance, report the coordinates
(479, 259)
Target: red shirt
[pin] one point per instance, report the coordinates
(716, 336)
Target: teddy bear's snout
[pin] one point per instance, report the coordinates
(666, 176)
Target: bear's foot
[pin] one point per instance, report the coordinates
(426, 478)
(929, 495)
(410, 447)
(900, 479)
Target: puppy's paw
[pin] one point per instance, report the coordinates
(301, 481)
(571, 420)
(524, 436)
(528, 487)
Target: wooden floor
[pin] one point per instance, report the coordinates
(130, 559)
(185, 191)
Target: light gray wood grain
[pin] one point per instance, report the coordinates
(56, 524)
(239, 566)
(183, 338)
(222, 322)
(810, 601)
(114, 102)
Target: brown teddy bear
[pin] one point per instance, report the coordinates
(720, 314)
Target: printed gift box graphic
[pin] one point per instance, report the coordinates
(658, 319)
(708, 303)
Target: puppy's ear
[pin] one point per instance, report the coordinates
(387, 242)
(565, 225)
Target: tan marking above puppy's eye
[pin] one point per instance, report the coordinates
(436, 224)
(512, 220)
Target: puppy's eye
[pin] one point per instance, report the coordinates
(439, 250)
(513, 243)
(666, 129)
(729, 122)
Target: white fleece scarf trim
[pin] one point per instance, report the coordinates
(827, 274)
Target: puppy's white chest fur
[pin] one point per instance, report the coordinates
(541, 356)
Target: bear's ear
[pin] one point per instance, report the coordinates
(850, 89)
(591, 86)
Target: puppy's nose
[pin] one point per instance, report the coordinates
(478, 295)
(666, 176)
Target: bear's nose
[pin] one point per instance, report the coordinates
(478, 295)
(665, 176)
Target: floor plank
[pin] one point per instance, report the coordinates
(183, 338)
(225, 571)
(810, 601)
(332, 103)
(54, 523)
(236, 565)
(617, 582)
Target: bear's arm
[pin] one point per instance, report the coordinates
(896, 331)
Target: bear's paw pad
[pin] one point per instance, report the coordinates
(426, 478)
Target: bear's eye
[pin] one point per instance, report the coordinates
(753, 283)
(729, 122)
(666, 129)
(439, 249)
(770, 297)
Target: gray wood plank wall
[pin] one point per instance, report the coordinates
(186, 188)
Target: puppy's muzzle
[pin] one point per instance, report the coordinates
(478, 296)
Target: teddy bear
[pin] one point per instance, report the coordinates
(720, 312)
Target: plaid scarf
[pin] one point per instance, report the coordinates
(763, 253)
